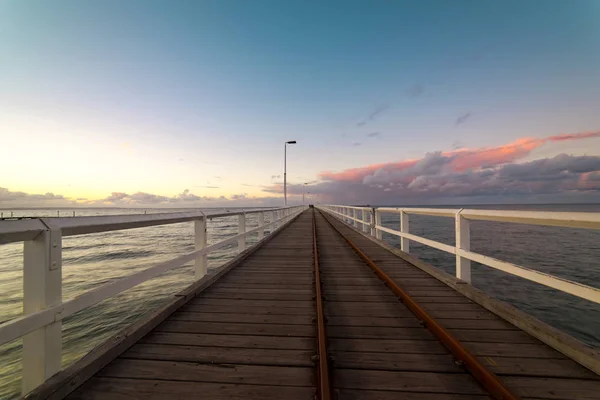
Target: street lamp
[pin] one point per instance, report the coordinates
(303, 192)
(285, 171)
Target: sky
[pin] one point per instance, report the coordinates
(189, 103)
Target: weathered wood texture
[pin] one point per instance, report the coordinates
(251, 335)
(527, 366)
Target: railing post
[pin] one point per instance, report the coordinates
(354, 222)
(242, 229)
(404, 242)
(378, 232)
(463, 241)
(273, 224)
(42, 288)
(372, 221)
(200, 239)
(261, 222)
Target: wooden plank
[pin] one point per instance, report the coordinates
(208, 302)
(397, 362)
(538, 367)
(149, 389)
(290, 319)
(554, 388)
(220, 355)
(491, 336)
(402, 381)
(224, 309)
(358, 309)
(236, 329)
(411, 321)
(387, 346)
(352, 394)
(373, 321)
(256, 296)
(377, 332)
(223, 373)
(308, 293)
(241, 341)
(523, 350)
(265, 285)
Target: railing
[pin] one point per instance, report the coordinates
(370, 221)
(43, 307)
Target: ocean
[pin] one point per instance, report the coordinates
(92, 260)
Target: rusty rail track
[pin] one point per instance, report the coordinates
(323, 385)
(490, 381)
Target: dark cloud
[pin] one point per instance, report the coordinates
(463, 118)
(356, 144)
(374, 114)
(416, 90)
(374, 134)
(7, 195)
(435, 179)
(457, 144)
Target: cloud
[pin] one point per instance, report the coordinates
(496, 172)
(275, 176)
(374, 114)
(374, 134)
(7, 195)
(356, 144)
(207, 187)
(415, 90)
(462, 119)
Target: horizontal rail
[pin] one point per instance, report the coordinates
(18, 327)
(428, 242)
(545, 218)
(20, 230)
(565, 285)
(462, 250)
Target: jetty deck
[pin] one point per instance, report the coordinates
(253, 334)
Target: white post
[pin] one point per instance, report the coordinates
(378, 232)
(200, 239)
(42, 288)
(404, 242)
(261, 222)
(354, 216)
(365, 219)
(242, 229)
(372, 221)
(463, 241)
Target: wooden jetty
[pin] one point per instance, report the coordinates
(321, 309)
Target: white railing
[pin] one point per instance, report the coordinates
(370, 221)
(43, 306)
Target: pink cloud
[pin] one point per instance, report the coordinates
(462, 159)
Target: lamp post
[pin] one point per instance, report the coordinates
(303, 192)
(285, 171)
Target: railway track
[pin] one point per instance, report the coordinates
(357, 300)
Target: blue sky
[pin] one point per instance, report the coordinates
(158, 97)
